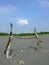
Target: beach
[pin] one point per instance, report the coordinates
(28, 54)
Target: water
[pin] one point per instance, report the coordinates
(29, 55)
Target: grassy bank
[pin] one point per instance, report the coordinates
(24, 34)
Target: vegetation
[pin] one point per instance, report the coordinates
(24, 34)
(31, 34)
(43, 33)
(4, 34)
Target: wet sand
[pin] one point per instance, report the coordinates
(29, 55)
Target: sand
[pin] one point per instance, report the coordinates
(29, 56)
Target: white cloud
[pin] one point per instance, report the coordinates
(44, 3)
(41, 3)
(22, 22)
(8, 9)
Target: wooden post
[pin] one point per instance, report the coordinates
(9, 40)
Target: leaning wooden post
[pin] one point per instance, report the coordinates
(9, 40)
(36, 36)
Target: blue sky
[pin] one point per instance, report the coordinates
(24, 15)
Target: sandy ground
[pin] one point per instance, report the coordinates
(29, 55)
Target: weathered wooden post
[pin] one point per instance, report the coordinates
(6, 51)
